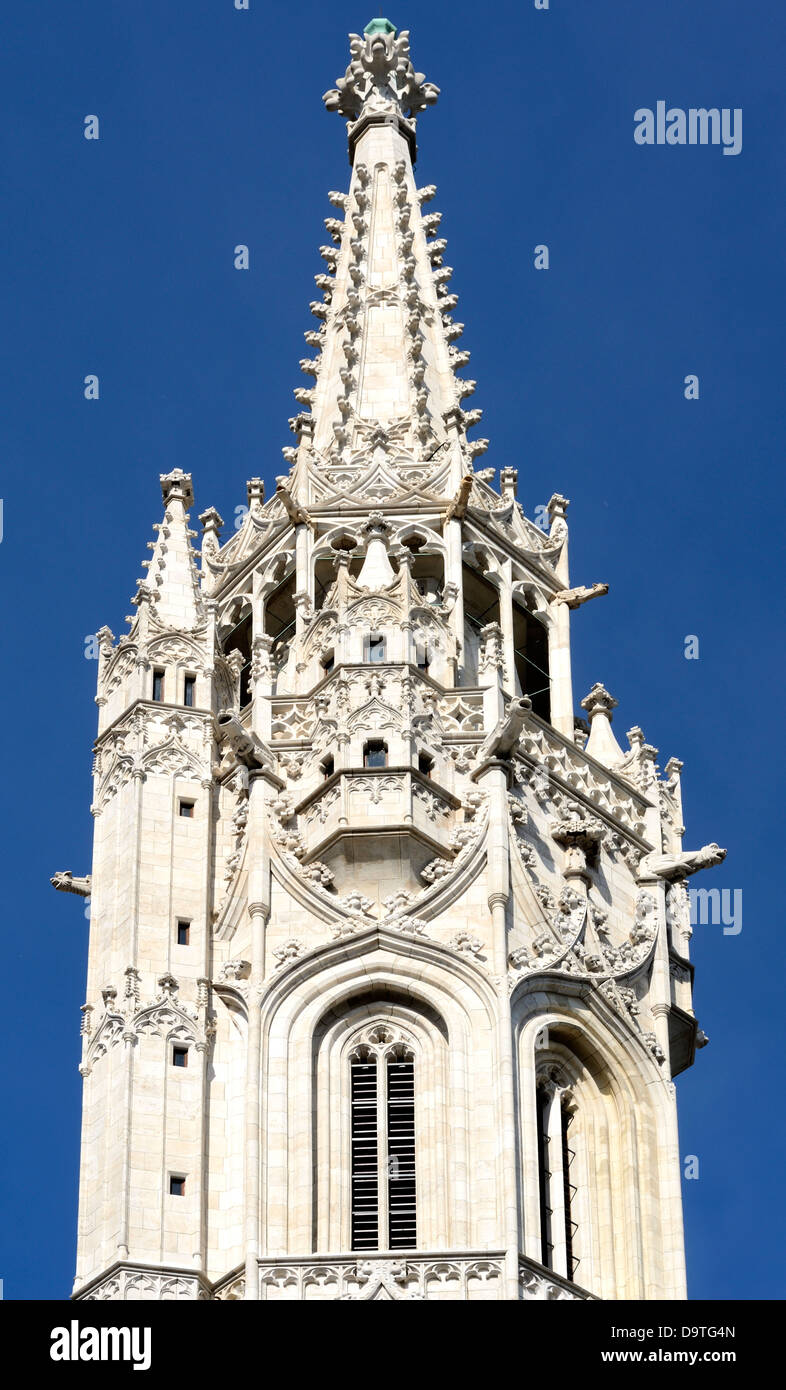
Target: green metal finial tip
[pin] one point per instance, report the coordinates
(379, 26)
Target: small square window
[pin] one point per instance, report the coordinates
(189, 690)
(158, 684)
(179, 1056)
(187, 809)
(375, 754)
(183, 933)
(177, 1186)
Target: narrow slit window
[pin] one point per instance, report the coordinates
(158, 683)
(179, 1056)
(183, 933)
(375, 648)
(328, 662)
(423, 659)
(328, 766)
(425, 764)
(189, 691)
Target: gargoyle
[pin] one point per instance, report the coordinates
(239, 745)
(679, 865)
(64, 882)
(502, 742)
(582, 594)
(457, 508)
(297, 514)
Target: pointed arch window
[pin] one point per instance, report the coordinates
(382, 1125)
(555, 1113)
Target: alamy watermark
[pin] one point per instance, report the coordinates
(699, 125)
(77, 1343)
(717, 907)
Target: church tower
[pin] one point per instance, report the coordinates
(388, 972)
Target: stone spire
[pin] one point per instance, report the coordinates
(385, 398)
(172, 582)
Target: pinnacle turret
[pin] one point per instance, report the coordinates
(172, 581)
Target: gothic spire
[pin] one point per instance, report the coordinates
(385, 398)
(172, 582)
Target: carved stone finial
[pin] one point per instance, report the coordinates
(176, 487)
(377, 571)
(211, 530)
(601, 744)
(380, 77)
(599, 701)
(508, 480)
(255, 491)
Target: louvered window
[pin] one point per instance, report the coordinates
(383, 1178)
(401, 1155)
(365, 1158)
(544, 1177)
(568, 1190)
(557, 1190)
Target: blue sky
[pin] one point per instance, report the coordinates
(117, 257)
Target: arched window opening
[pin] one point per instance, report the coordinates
(239, 639)
(531, 655)
(481, 607)
(556, 1189)
(280, 618)
(383, 1178)
(325, 568)
(428, 571)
